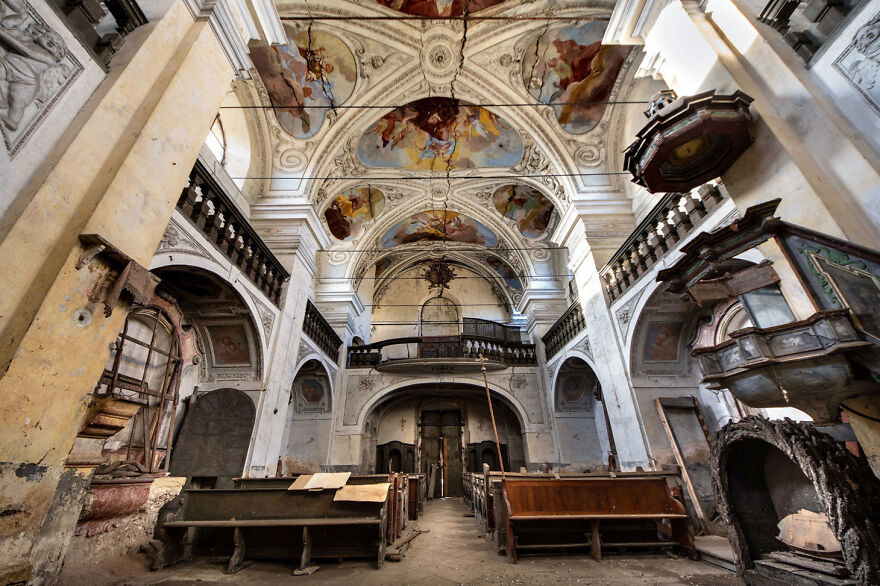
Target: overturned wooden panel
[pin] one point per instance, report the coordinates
(364, 493)
(300, 482)
(327, 480)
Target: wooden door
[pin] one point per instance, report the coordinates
(441, 447)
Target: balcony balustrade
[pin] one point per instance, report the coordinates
(451, 353)
(211, 210)
(321, 332)
(674, 217)
(564, 330)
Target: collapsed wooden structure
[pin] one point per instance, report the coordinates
(270, 518)
(594, 511)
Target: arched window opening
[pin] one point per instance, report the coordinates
(142, 374)
(216, 140)
(440, 317)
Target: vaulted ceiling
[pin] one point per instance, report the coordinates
(468, 139)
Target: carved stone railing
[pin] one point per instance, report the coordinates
(89, 20)
(674, 217)
(806, 26)
(319, 330)
(206, 204)
(438, 350)
(564, 330)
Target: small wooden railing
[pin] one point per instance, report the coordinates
(674, 217)
(211, 210)
(452, 347)
(564, 330)
(321, 332)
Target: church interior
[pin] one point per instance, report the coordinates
(440, 292)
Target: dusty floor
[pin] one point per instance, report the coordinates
(454, 553)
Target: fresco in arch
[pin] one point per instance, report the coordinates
(528, 207)
(296, 75)
(230, 345)
(435, 133)
(436, 8)
(570, 67)
(438, 225)
(662, 341)
(504, 271)
(350, 211)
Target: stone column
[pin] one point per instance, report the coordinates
(118, 175)
(295, 239)
(589, 249)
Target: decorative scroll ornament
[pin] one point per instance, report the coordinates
(625, 313)
(439, 274)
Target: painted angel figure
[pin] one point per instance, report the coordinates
(30, 61)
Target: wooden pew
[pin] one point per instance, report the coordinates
(273, 523)
(398, 504)
(467, 484)
(416, 495)
(594, 513)
(479, 492)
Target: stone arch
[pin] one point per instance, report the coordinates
(245, 296)
(575, 386)
(312, 388)
(664, 326)
(583, 437)
(497, 391)
(213, 443)
(308, 420)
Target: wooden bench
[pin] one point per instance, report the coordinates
(398, 501)
(594, 513)
(269, 523)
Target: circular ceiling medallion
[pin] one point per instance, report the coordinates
(440, 57)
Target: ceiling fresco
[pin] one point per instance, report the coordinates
(438, 225)
(314, 69)
(350, 212)
(570, 67)
(437, 8)
(528, 207)
(505, 271)
(436, 134)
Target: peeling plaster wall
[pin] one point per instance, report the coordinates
(469, 291)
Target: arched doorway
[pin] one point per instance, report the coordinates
(585, 439)
(213, 443)
(308, 426)
(448, 431)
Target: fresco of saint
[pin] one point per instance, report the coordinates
(312, 70)
(434, 134)
(528, 207)
(570, 67)
(351, 211)
(438, 225)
